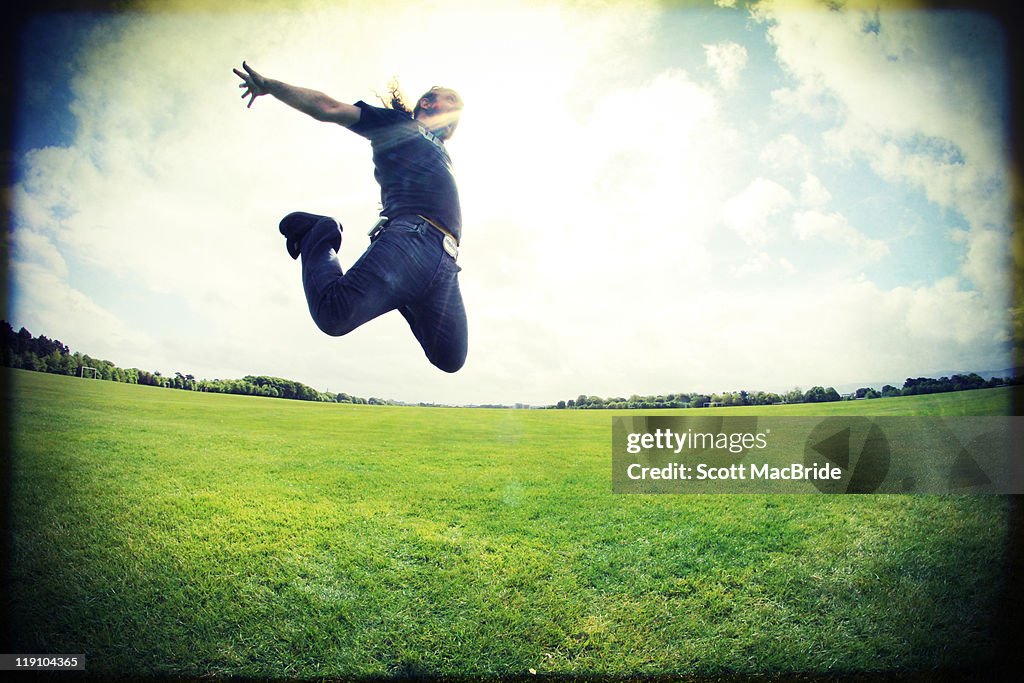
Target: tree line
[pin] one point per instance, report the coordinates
(22, 350)
(911, 387)
(41, 354)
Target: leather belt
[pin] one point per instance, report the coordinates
(451, 245)
(444, 231)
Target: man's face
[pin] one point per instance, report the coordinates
(441, 115)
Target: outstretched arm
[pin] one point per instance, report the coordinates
(310, 102)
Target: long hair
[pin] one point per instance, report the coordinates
(396, 100)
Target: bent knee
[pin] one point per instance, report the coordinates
(334, 327)
(449, 364)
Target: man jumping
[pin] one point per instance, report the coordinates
(410, 262)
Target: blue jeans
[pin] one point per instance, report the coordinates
(406, 268)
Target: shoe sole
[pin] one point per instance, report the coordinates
(293, 237)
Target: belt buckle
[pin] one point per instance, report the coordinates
(451, 247)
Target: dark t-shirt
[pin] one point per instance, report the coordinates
(412, 167)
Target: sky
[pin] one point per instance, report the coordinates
(657, 197)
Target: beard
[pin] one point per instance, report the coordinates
(442, 125)
(445, 132)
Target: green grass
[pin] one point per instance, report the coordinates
(162, 532)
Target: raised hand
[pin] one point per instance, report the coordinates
(310, 102)
(255, 85)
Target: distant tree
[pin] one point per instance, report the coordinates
(821, 395)
(30, 361)
(55, 362)
(913, 386)
(794, 395)
(24, 341)
(967, 382)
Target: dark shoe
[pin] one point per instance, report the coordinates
(294, 227)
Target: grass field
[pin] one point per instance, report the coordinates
(163, 532)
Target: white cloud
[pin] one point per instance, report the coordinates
(31, 246)
(834, 227)
(60, 311)
(906, 99)
(727, 59)
(761, 263)
(977, 192)
(813, 192)
(786, 151)
(935, 315)
(809, 330)
(919, 96)
(987, 263)
(808, 99)
(749, 214)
